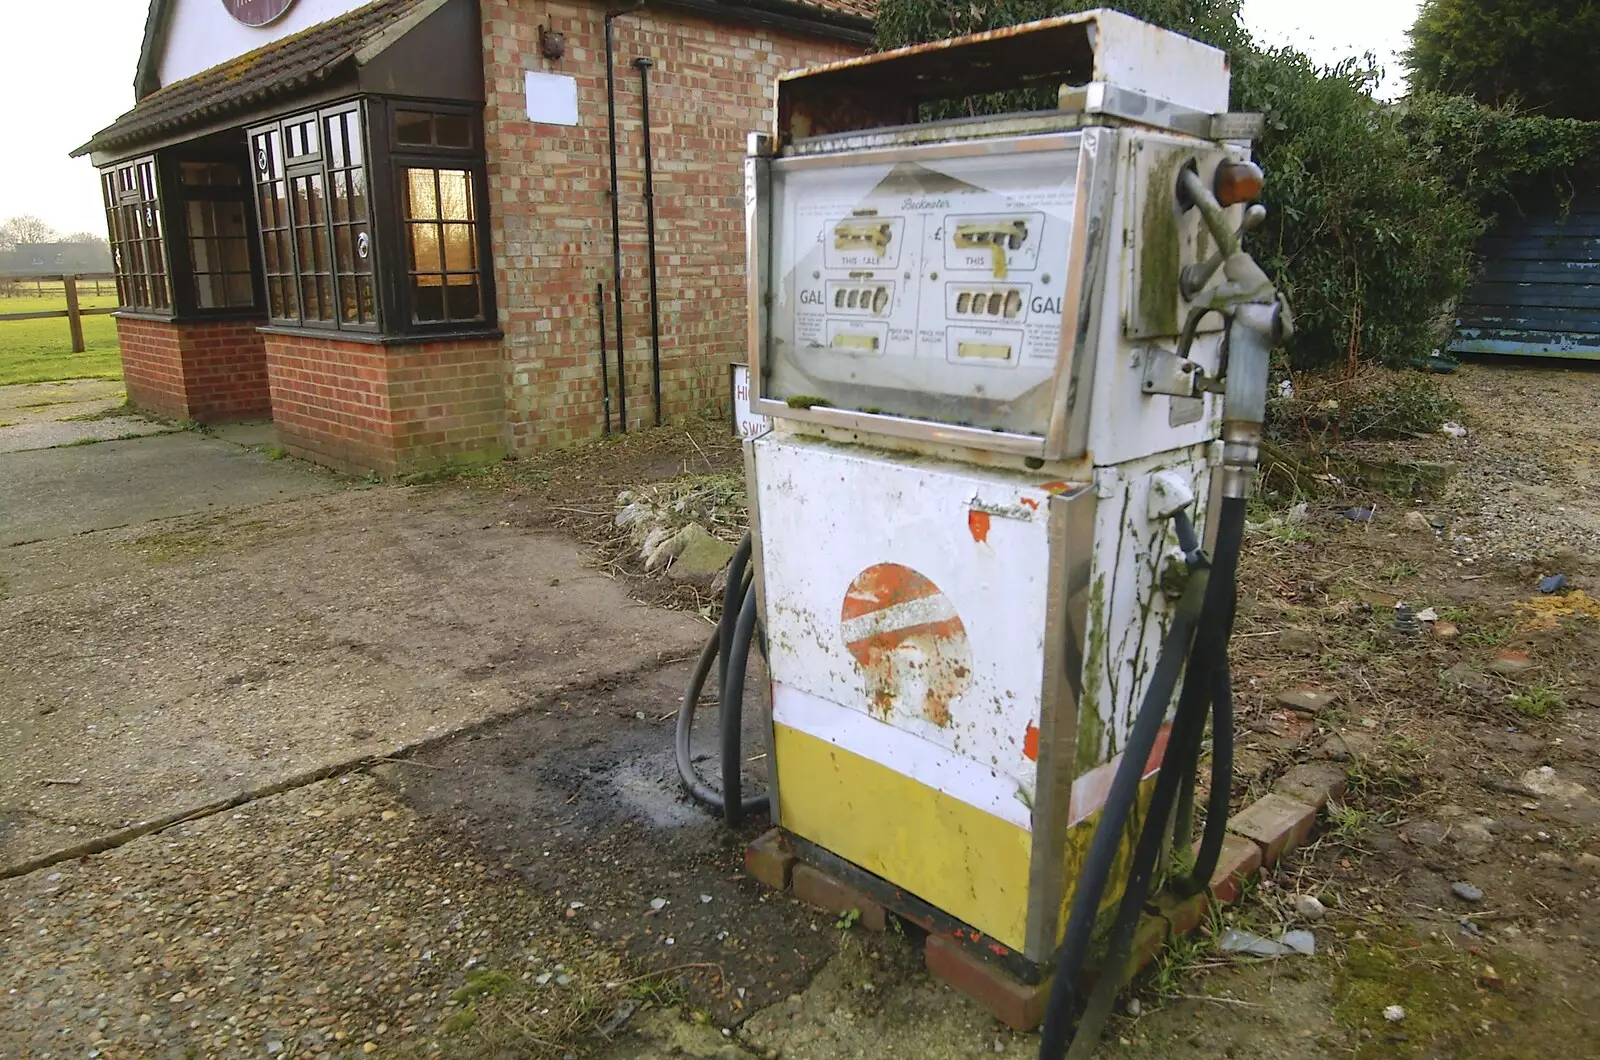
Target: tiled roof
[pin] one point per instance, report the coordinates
(282, 68)
(867, 9)
(293, 64)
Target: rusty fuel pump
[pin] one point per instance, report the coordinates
(1016, 369)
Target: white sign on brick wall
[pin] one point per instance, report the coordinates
(746, 424)
(552, 98)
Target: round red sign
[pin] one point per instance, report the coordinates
(257, 12)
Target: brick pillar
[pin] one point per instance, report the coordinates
(210, 371)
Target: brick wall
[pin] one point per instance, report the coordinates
(152, 367)
(209, 371)
(394, 409)
(711, 84)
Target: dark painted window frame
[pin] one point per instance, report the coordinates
(151, 203)
(385, 161)
(170, 202)
(186, 302)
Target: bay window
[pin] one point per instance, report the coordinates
(216, 216)
(180, 231)
(371, 219)
(133, 224)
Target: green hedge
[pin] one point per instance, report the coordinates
(1374, 208)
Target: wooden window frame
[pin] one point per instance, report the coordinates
(186, 283)
(395, 158)
(298, 233)
(388, 267)
(133, 200)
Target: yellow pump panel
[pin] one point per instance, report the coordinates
(968, 863)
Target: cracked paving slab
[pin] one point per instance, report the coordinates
(160, 667)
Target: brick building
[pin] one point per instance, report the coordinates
(384, 224)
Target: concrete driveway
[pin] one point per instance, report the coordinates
(187, 619)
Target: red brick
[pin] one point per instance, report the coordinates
(1148, 941)
(1183, 915)
(1009, 1000)
(1275, 823)
(1313, 783)
(1239, 859)
(770, 859)
(204, 371)
(815, 887)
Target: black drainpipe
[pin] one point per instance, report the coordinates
(616, 216)
(605, 372)
(644, 65)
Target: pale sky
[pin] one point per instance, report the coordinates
(69, 71)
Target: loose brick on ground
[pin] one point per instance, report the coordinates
(770, 860)
(1276, 823)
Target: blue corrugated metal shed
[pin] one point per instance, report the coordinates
(1539, 291)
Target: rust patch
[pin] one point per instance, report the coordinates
(1030, 742)
(908, 640)
(978, 523)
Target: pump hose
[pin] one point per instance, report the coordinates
(729, 647)
(1200, 629)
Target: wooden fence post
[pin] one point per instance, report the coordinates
(74, 321)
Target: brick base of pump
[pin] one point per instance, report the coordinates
(1012, 989)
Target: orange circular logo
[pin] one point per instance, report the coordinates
(907, 640)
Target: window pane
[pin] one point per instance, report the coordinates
(302, 138)
(425, 248)
(277, 302)
(462, 300)
(459, 255)
(343, 251)
(427, 299)
(364, 292)
(413, 127)
(303, 244)
(424, 203)
(453, 130)
(339, 186)
(235, 255)
(240, 293)
(455, 195)
(358, 195)
(335, 140)
(325, 297)
(316, 203)
(349, 306)
(266, 152)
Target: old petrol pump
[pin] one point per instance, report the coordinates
(1014, 363)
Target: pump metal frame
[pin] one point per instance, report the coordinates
(1078, 339)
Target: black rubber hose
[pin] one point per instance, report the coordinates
(1202, 683)
(1222, 601)
(1186, 734)
(697, 788)
(732, 597)
(718, 648)
(731, 715)
(1096, 871)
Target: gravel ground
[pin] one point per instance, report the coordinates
(1527, 488)
(383, 916)
(322, 922)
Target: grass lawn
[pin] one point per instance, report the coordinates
(39, 351)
